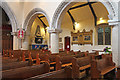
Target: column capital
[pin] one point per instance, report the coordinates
(14, 33)
(54, 30)
(113, 22)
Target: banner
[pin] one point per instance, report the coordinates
(20, 34)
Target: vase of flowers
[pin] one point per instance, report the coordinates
(107, 50)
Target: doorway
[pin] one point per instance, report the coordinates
(67, 43)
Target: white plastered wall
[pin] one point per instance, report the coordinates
(88, 25)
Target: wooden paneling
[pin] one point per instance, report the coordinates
(7, 38)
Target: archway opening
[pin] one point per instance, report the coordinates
(86, 23)
(38, 35)
(7, 38)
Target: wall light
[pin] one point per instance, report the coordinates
(101, 20)
(77, 25)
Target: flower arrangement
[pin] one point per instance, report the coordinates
(106, 50)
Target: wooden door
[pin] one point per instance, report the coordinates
(7, 38)
(67, 43)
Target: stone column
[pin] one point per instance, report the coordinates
(54, 38)
(25, 42)
(25, 45)
(116, 41)
(15, 41)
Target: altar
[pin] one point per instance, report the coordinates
(38, 41)
(39, 46)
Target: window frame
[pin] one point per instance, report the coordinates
(103, 26)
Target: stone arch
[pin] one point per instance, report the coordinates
(65, 5)
(32, 15)
(13, 21)
(28, 23)
(11, 15)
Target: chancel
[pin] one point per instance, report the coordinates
(60, 40)
(38, 37)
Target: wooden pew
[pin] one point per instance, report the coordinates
(14, 65)
(5, 53)
(46, 52)
(61, 74)
(25, 72)
(94, 54)
(17, 54)
(25, 55)
(34, 55)
(106, 55)
(63, 61)
(101, 67)
(52, 61)
(80, 54)
(4, 61)
(77, 52)
(118, 73)
(41, 58)
(80, 64)
(71, 52)
(66, 53)
(28, 55)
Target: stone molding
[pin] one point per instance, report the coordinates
(32, 15)
(11, 15)
(54, 30)
(113, 22)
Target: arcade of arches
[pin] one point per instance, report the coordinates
(59, 26)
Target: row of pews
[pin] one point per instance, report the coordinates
(35, 65)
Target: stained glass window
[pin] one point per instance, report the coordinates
(104, 35)
(107, 36)
(100, 36)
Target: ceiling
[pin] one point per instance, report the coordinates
(84, 12)
(44, 19)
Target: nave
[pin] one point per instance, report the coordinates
(35, 65)
(76, 40)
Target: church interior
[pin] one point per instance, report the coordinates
(75, 39)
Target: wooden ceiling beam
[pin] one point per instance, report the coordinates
(93, 12)
(73, 20)
(43, 24)
(41, 16)
(79, 6)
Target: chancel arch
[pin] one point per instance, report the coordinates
(36, 24)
